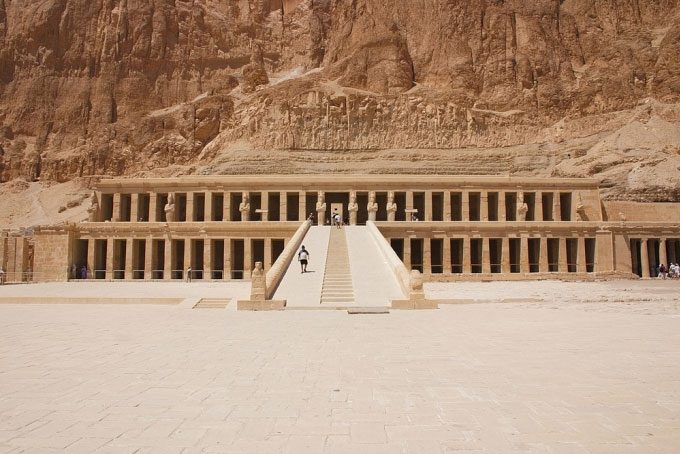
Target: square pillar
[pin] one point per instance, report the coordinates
(428, 207)
(557, 211)
(283, 206)
(116, 207)
(524, 254)
(208, 207)
(663, 256)
(90, 259)
(207, 259)
(128, 258)
(148, 259)
(486, 258)
(409, 206)
(447, 210)
(267, 253)
(581, 255)
(467, 263)
(427, 256)
(446, 255)
(407, 252)
(153, 201)
(226, 274)
(187, 256)
(505, 255)
(109, 258)
(562, 260)
(644, 253)
(538, 211)
(226, 207)
(190, 207)
(465, 212)
(484, 206)
(167, 265)
(247, 258)
(501, 206)
(134, 207)
(264, 206)
(543, 265)
(604, 251)
(302, 206)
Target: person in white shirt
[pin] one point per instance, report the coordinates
(303, 258)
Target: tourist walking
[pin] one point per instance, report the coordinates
(2, 276)
(189, 271)
(303, 258)
(662, 271)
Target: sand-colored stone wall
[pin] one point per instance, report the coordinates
(638, 211)
(52, 255)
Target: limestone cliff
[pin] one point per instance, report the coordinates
(543, 87)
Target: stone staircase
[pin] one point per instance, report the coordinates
(212, 303)
(337, 288)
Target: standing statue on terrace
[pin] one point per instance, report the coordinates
(522, 209)
(170, 208)
(93, 210)
(372, 206)
(353, 208)
(244, 207)
(321, 208)
(391, 207)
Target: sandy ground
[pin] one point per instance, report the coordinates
(566, 375)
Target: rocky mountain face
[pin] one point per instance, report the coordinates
(542, 87)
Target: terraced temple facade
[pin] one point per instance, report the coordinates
(449, 228)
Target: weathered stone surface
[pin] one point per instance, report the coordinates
(103, 87)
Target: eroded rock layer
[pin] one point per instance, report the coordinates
(547, 87)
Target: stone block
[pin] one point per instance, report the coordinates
(268, 305)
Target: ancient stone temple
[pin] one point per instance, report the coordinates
(448, 228)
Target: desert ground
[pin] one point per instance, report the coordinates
(522, 367)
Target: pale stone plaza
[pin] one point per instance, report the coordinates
(543, 366)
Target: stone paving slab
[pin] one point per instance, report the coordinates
(570, 377)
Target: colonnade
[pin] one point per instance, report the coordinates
(648, 253)
(426, 205)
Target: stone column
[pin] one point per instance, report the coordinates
(663, 256)
(207, 259)
(543, 266)
(484, 205)
(129, 252)
(409, 205)
(538, 213)
(557, 212)
(116, 207)
(109, 258)
(524, 254)
(604, 255)
(407, 253)
(267, 254)
(446, 256)
(486, 256)
(188, 254)
(283, 206)
(167, 264)
(428, 206)
(134, 207)
(148, 258)
(208, 207)
(447, 209)
(153, 201)
(427, 256)
(465, 208)
(467, 264)
(644, 253)
(190, 207)
(581, 255)
(501, 206)
(505, 255)
(226, 207)
(91, 266)
(226, 274)
(264, 205)
(563, 266)
(247, 258)
(302, 206)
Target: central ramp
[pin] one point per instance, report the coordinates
(337, 282)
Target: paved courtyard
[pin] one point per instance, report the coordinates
(560, 372)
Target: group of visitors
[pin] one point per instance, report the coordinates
(673, 271)
(78, 272)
